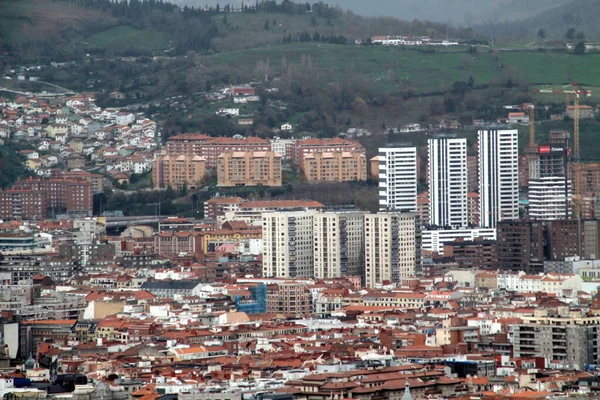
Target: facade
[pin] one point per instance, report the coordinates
(520, 246)
(252, 212)
(289, 298)
(392, 247)
(549, 182)
(566, 339)
(304, 147)
(178, 171)
(72, 196)
(211, 148)
(435, 239)
(339, 244)
(23, 204)
(398, 178)
(473, 209)
(216, 208)
(283, 147)
(589, 177)
(498, 176)
(335, 167)
(249, 168)
(473, 254)
(288, 244)
(448, 182)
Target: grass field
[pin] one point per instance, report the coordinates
(121, 37)
(393, 68)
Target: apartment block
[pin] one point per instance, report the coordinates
(217, 207)
(212, 147)
(343, 166)
(448, 182)
(252, 212)
(178, 171)
(498, 176)
(473, 254)
(397, 170)
(23, 204)
(283, 147)
(392, 247)
(549, 182)
(249, 168)
(520, 246)
(288, 244)
(289, 298)
(178, 243)
(304, 147)
(566, 339)
(588, 177)
(473, 210)
(71, 196)
(435, 239)
(339, 244)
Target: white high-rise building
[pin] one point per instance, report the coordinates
(549, 198)
(398, 178)
(448, 182)
(498, 176)
(339, 244)
(288, 244)
(392, 247)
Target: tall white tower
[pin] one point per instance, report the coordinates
(448, 182)
(498, 176)
(398, 178)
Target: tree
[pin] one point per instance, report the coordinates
(267, 25)
(208, 86)
(579, 48)
(570, 35)
(471, 82)
(541, 34)
(184, 190)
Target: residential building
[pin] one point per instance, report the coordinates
(249, 168)
(398, 178)
(283, 147)
(217, 207)
(589, 177)
(472, 175)
(23, 204)
(423, 206)
(335, 167)
(392, 247)
(211, 148)
(520, 246)
(498, 176)
(288, 244)
(73, 196)
(549, 183)
(178, 171)
(447, 180)
(566, 339)
(473, 254)
(289, 298)
(170, 288)
(303, 147)
(585, 111)
(473, 209)
(252, 212)
(338, 244)
(435, 239)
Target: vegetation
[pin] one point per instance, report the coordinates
(11, 166)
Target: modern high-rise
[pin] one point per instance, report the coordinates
(288, 244)
(448, 182)
(392, 247)
(549, 183)
(339, 244)
(498, 176)
(398, 178)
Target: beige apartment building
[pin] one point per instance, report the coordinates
(177, 171)
(392, 247)
(249, 168)
(287, 239)
(340, 166)
(339, 244)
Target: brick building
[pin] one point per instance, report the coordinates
(211, 148)
(218, 206)
(249, 168)
(73, 196)
(176, 243)
(338, 166)
(178, 171)
(23, 204)
(289, 298)
(476, 254)
(302, 148)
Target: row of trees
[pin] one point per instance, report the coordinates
(315, 37)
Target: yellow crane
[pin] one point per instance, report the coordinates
(576, 167)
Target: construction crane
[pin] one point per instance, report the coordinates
(576, 92)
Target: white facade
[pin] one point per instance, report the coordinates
(548, 199)
(448, 183)
(339, 244)
(282, 146)
(288, 244)
(392, 248)
(433, 240)
(398, 179)
(498, 176)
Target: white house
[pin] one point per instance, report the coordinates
(234, 112)
(124, 118)
(286, 127)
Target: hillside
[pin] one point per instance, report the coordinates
(580, 15)
(456, 12)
